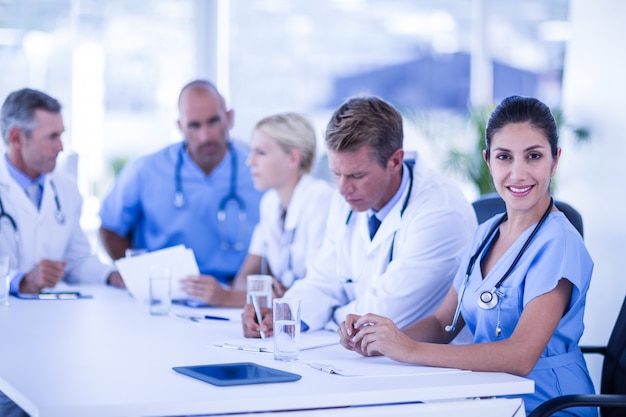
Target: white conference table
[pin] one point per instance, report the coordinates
(106, 356)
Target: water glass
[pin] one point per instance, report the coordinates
(160, 290)
(260, 286)
(286, 329)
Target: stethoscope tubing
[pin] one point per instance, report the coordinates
(7, 216)
(58, 215)
(232, 196)
(485, 302)
(58, 212)
(405, 204)
(523, 249)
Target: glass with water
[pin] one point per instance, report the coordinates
(160, 290)
(260, 286)
(286, 329)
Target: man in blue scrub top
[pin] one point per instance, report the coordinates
(198, 192)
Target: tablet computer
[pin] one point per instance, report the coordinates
(241, 373)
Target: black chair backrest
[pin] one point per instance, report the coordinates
(612, 400)
(614, 365)
(491, 204)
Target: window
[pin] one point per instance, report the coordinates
(117, 66)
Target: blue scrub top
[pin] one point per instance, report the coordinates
(142, 203)
(557, 251)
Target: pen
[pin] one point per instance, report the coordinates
(329, 369)
(257, 310)
(247, 348)
(200, 318)
(216, 318)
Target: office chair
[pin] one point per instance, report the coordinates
(612, 397)
(491, 204)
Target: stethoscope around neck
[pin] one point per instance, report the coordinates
(58, 216)
(12, 222)
(231, 197)
(58, 211)
(288, 277)
(405, 203)
(489, 299)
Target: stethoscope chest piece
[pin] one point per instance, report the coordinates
(59, 216)
(179, 200)
(488, 299)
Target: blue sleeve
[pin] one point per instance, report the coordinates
(121, 209)
(560, 253)
(15, 283)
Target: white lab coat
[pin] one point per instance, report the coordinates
(41, 236)
(289, 248)
(352, 274)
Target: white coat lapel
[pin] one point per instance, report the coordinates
(296, 206)
(393, 220)
(48, 204)
(17, 196)
(5, 182)
(389, 226)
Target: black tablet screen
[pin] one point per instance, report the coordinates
(237, 373)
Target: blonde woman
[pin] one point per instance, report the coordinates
(292, 214)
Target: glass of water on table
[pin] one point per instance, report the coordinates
(286, 329)
(260, 286)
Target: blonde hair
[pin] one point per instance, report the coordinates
(291, 131)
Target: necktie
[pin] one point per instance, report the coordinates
(373, 224)
(283, 216)
(32, 191)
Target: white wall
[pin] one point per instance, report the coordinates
(593, 177)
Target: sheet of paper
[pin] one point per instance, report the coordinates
(135, 270)
(374, 366)
(308, 340)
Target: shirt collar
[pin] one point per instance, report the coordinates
(22, 179)
(382, 213)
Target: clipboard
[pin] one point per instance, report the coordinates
(53, 295)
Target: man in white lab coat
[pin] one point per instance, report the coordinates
(40, 208)
(39, 223)
(400, 268)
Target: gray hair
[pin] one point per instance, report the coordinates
(18, 111)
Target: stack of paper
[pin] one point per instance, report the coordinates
(135, 270)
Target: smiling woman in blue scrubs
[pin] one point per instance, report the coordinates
(198, 192)
(522, 284)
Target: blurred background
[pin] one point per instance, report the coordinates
(117, 68)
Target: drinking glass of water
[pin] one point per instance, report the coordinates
(260, 286)
(286, 329)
